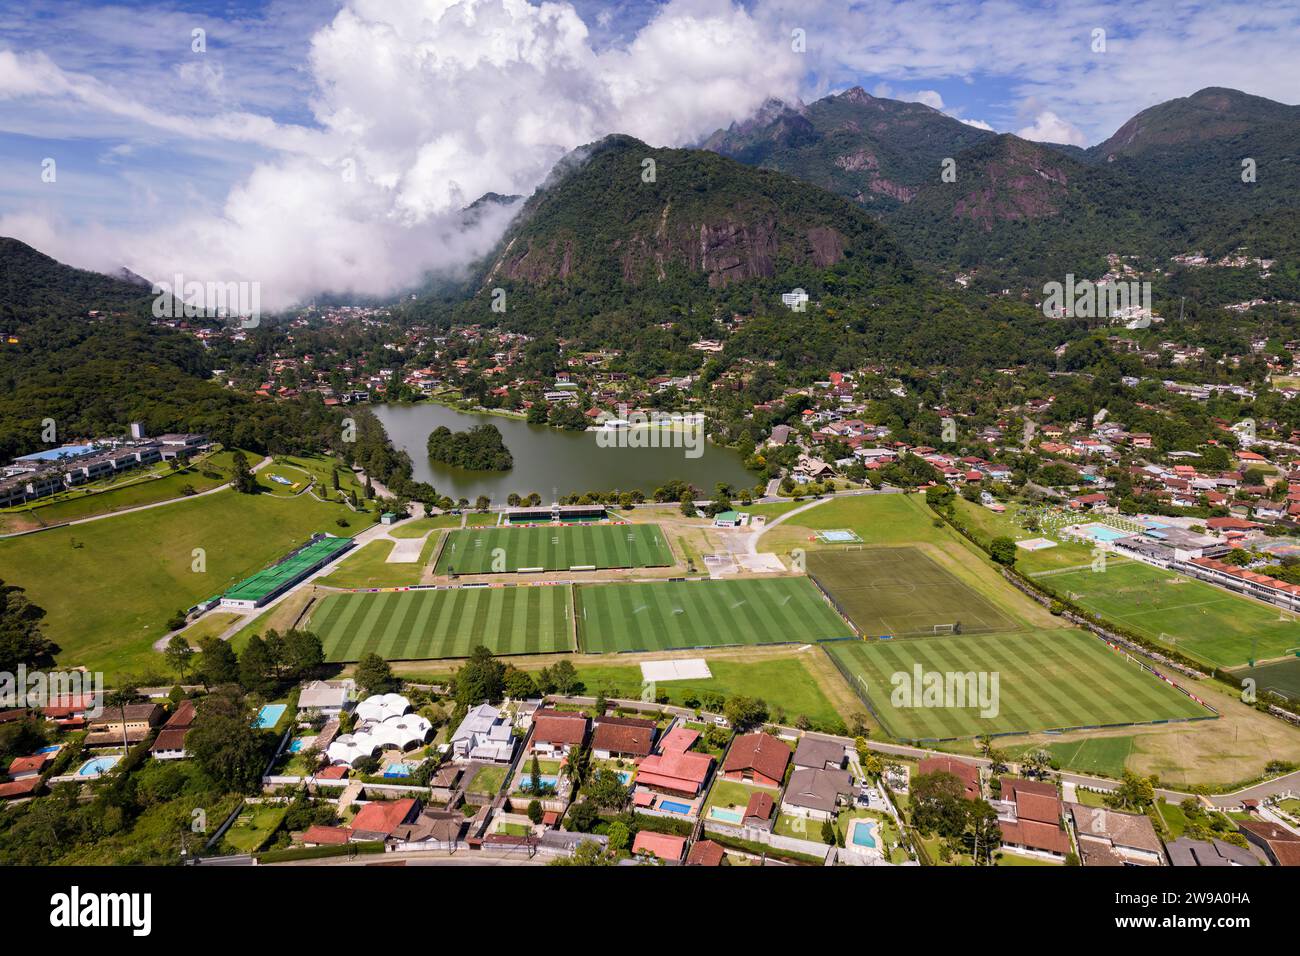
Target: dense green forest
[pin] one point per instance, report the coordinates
(480, 448)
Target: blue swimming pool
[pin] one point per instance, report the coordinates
(269, 715)
(726, 816)
(97, 766)
(864, 833)
(545, 781)
(398, 770)
(672, 806)
(624, 777)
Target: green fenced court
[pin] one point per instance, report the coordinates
(272, 580)
(675, 614)
(1199, 619)
(901, 591)
(1046, 680)
(433, 624)
(554, 548)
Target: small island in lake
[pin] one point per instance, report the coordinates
(481, 448)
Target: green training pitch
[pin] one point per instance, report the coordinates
(1047, 680)
(434, 624)
(1191, 616)
(897, 591)
(673, 614)
(1279, 677)
(505, 549)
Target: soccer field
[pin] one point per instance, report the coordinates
(433, 624)
(1279, 677)
(670, 614)
(1047, 680)
(1191, 616)
(504, 549)
(894, 591)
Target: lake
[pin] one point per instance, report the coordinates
(552, 462)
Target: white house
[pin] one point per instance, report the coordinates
(484, 734)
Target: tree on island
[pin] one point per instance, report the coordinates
(481, 448)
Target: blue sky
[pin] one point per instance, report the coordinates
(227, 159)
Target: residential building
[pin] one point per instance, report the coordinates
(1114, 838)
(816, 794)
(757, 758)
(622, 737)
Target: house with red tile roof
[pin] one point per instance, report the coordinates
(676, 769)
(705, 853)
(22, 767)
(614, 737)
(1280, 845)
(757, 758)
(758, 812)
(379, 819)
(326, 836)
(1029, 813)
(170, 742)
(556, 732)
(665, 846)
(27, 787)
(967, 773)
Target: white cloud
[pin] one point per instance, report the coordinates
(1050, 128)
(979, 124)
(431, 103)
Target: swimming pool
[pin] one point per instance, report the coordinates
(98, 766)
(672, 806)
(726, 816)
(864, 833)
(269, 715)
(624, 776)
(298, 744)
(398, 770)
(543, 780)
(1101, 532)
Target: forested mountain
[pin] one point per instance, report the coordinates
(623, 233)
(872, 150)
(1169, 181)
(32, 285)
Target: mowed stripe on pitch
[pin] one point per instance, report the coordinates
(433, 624)
(670, 614)
(1047, 680)
(555, 548)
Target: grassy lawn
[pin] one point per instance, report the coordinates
(419, 527)
(368, 567)
(1089, 798)
(254, 826)
(1047, 680)
(429, 624)
(1194, 617)
(675, 614)
(487, 781)
(1103, 755)
(212, 624)
(143, 486)
(505, 549)
(780, 682)
(987, 525)
(774, 509)
(733, 795)
(480, 519)
(1006, 858)
(108, 587)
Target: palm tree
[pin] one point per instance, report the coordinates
(120, 698)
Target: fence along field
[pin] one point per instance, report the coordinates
(901, 591)
(1047, 680)
(675, 614)
(431, 624)
(554, 548)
